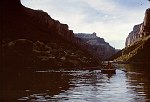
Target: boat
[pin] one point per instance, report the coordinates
(108, 71)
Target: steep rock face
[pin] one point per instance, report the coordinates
(137, 53)
(12, 3)
(52, 44)
(53, 54)
(33, 23)
(97, 45)
(147, 21)
(137, 43)
(133, 35)
(140, 30)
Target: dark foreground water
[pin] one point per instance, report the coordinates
(79, 86)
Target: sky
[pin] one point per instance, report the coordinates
(112, 20)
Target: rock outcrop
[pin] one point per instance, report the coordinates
(133, 35)
(146, 23)
(136, 53)
(140, 30)
(137, 43)
(52, 54)
(11, 3)
(33, 38)
(27, 23)
(96, 45)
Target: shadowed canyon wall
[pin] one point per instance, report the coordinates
(96, 45)
(32, 37)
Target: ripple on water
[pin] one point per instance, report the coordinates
(85, 86)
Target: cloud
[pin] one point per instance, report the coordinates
(110, 19)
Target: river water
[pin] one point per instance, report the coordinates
(81, 86)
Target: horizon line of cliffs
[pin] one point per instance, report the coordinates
(54, 26)
(63, 30)
(37, 18)
(97, 45)
(139, 31)
(42, 26)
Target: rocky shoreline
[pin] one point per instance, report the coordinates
(23, 52)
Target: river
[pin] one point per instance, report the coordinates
(80, 86)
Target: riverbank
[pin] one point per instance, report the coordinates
(129, 62)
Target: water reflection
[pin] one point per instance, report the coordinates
(138, 80)
(82, 86)
(32, 85)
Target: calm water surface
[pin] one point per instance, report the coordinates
(81, 86)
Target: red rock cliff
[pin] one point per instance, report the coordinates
(19, 22)
(140, 30)
(147, 21)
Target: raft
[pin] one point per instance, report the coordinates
(108, 71)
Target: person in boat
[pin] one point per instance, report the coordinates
(109, 66)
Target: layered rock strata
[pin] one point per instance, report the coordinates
(96, 45)
(137, 43)
(33, 38)
(140, 30)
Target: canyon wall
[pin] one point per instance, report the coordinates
(31, 38)
(140, 30)
(15, 15)
(137, 44)
(96, 45)
(62, 30)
